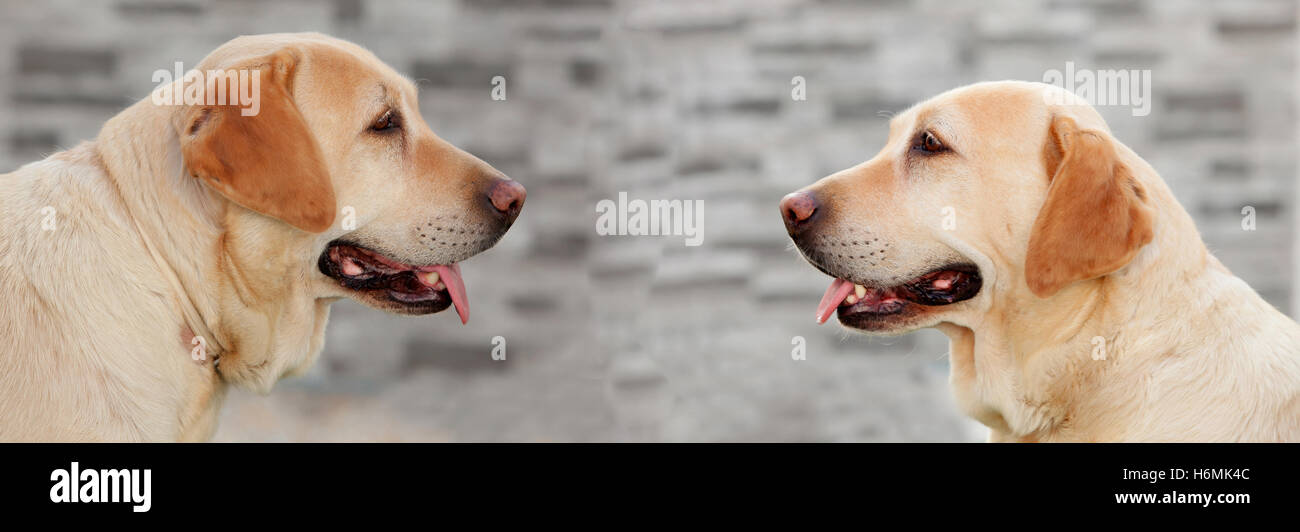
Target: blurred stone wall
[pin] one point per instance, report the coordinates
(644, 338)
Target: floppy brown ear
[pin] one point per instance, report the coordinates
(1096, 216)
(268, 162)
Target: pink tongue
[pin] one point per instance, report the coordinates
(450, 275)
(839, 290)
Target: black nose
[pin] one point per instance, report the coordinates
(797, 209)
(507, 198)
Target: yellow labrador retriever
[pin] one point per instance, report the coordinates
(198, 243)
(1079, 299)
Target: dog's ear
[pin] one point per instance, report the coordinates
(269, 161)
(1096, 216)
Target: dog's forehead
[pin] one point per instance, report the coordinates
(356, 72)
(992, 106)
(330, 61)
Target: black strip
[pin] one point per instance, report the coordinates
(323, 481)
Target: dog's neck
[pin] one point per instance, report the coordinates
(1032, 376)
(142, 162)
(186, 228)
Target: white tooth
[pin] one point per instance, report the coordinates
(429, 278)
(440, 286)
(860, 291)
(852, 299)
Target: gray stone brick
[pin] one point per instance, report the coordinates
(33, 142)
(159, 8)
(460, 73)
(66, 61)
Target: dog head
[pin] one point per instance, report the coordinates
(338, 187)
(1009, 187)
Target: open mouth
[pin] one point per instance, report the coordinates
(858, 303)
(395, 285)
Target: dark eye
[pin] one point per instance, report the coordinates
(386, 122)
(929, 143)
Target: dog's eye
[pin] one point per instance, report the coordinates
(386, 122)
(929, 143)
